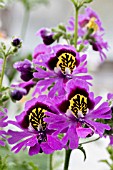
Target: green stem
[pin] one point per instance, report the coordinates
(67, 158)
(25, 22)
(90, 141)
(50, 162)
(3, 71)
(76, 26)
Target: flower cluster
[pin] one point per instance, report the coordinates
(34, 130)
(65, 109)
(56, 66)
(90, 31)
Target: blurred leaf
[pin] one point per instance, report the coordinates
(58, 159)
(62, 27)
(105, 161)
(29, 4)
(34, 167)
(3, 163)
(109, 162)
(15, 161)
(88, 1)
(110, 151)
(2, 4)
(81, 47)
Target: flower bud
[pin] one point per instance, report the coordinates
(46, 35)
(17, 94)
(16, 42)
(24, 67)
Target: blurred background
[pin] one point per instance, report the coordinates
(24, 18)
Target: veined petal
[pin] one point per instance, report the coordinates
(35, 149)
(46, 148)
(83, 132)
(98, 127)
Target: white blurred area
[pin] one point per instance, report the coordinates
(59, 11)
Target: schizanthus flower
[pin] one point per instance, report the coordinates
(46, 35)
(21, 89)
(57, 66)
(34, 131)
(89, 20)
(78, 114)
(3, 124)
(90, 29)
(25, 68)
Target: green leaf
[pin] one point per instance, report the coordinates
(34, 167)
(4, 89)
(81, 47)
(57, 36)
(83, 151)
(62, 27)
(88, 1)
(105, 161)
(5, 98)
(110, 150)
(3, 163)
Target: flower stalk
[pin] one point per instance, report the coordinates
(77, 6)
(3, 71)
(76, 26)
(67, 158)
(50, 162)
(90, 141)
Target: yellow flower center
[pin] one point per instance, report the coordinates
(36, 117)
(66, 62)
(92, 24)
(78, 105)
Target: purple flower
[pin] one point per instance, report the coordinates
(62, 64)
(90, 30)
(89, 20)
(78, 114)
(21, 89)
(46, 35)
(3, 124)
(40, 50)
(24, 67)
(99, 45)
(34, 132)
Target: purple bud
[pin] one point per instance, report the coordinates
(16, 42)
(17, 94)
(94, 46)
(46, 35)
(24, 67)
